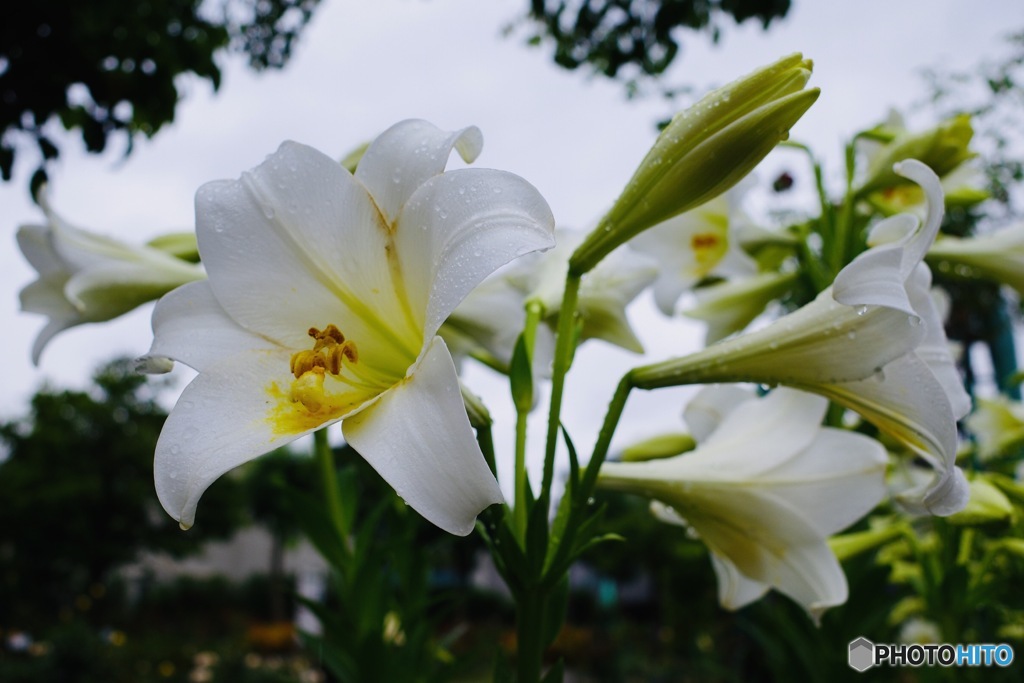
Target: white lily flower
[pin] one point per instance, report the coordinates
(697, 244)
(490, 318)
(88, 278)
(604, 292)
(730, 306)
(872, 342)
(997, 256)
(492, 315)
(998, 426)
(324, 297)
(943, 148)
(764, 490)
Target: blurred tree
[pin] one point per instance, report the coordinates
(78, 498)
(110, 66)
(992, 92)
(644, 34)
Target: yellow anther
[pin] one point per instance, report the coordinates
(350, 351)
(330, 350)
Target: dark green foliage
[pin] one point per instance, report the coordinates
(78, 496)
(397, 583)
(110, 66)
(643, 34)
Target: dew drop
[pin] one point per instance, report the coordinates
(861, 310)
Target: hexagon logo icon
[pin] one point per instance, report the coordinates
(862, 654)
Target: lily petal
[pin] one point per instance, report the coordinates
(730, 306)
(418, 438)
(998, 256)
(35, 244)
(735, 590)
(934, 349)
(219, 423)
(908, 402)
(392, 174)
(706, 411)
(875, 277)
(764, 491)
(460, 227)
(191, 327)
(315, 245)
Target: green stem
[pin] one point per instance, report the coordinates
(604, 437)
(534, 312)
(589, 481)
(529, 633)
(814, 267)
(842, 247)
(330, 478)
(819, 182)
(486, 441)
(520, 510)
(563, 358)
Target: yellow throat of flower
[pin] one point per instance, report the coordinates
(327, 383)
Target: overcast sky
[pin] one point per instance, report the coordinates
(362, 66)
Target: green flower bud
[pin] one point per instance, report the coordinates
(180, 245)
(704, 151)
(852, 544)
(351, 160)
(942, 148)
(656, 447)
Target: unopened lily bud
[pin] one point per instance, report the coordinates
(351, 160)
(704, 151)
(855, 543)
(662, 446)
(180, 245)
(942, 148)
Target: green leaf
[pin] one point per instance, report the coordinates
(335, 659)
(314, 521)
(566, 506)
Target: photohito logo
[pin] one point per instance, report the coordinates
(864, 654)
